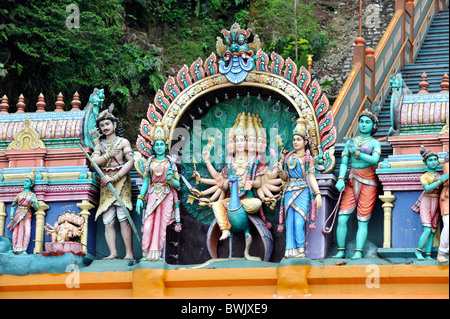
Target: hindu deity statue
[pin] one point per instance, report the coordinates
(237, 56)
(444, 206)
(246, 143)
(362, 153)
(159, 191)
(67, 227)
(20, 216)
(115, 157)
(301, 194)
(428, 203)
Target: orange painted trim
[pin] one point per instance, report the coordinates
(299, 281)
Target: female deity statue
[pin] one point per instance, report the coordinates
(428, 203)
(20, 217)
(115, 156)
(161, 180)
(296, 168)
(444, 205)
(360, 191)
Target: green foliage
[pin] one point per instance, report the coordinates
(51, 57)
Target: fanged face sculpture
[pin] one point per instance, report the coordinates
(236, 54)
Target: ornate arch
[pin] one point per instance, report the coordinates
(274, 74)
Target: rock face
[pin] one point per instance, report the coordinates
(376, 16)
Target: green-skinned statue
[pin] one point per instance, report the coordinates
(362, 153)
(428, 203)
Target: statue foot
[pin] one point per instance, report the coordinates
(301, 255)
(111, 257)
(357, 255)
(428, 257)
(225, 234)
(340, 254)
(441, 258)
(419, 255)
(129, 257)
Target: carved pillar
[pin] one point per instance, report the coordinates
(3, 216)
(85, 206)
(40, 222)
(387, 198)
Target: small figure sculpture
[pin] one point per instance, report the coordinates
(67, 227)
(360, 191)
(20, 223)
(428, 203)
(301, 194)
(444, 205)
(158, 190)
(115, 156)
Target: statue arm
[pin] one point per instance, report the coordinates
(97, 156)
(373, 158)
(128, 155)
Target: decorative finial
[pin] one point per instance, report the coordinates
(40, 103)
(445, 84)
(21, 104)
(423, 85)
(76, 102)
(59, 103)
(4, 106)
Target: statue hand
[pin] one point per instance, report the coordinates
(196, 192)
(248, 185)
(169, 174)
(106, 179)
(283, 154)
(340, 185)
(319, 201)
(206, 154)
(197, 176)
(444, 178)
(114, 152)
(219, 180)
(139, 206)
(178, 228)
(312, 226)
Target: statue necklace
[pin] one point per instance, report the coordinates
(158, 167)
(294, 156)
(361, 141)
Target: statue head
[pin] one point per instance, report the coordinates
(159, 147)
(107, 121)
(430, 158)
(368, 122)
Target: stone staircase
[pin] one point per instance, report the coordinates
(433, 59)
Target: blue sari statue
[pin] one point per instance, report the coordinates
(301, 194)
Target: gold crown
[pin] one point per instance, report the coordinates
(251, 130)
(301, 127)
(32, 175)
(241, 128)
(158, 132)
